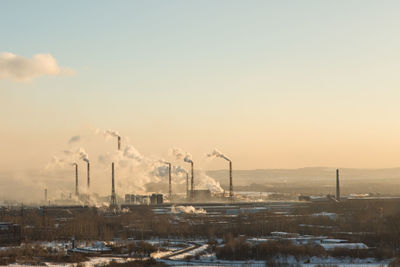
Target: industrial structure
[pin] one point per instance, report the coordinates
(113, 201)
(153, 199)
(337, 185)
(192, 181)
(76, 180)
(169, 181)
(230, 181)
(187, 185)
(88, 174)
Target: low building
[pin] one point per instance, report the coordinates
(156, 199)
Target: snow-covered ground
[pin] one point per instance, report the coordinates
(90, 263)
(192, 252)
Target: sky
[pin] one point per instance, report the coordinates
(272, 84)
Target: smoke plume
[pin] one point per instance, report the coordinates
(111, 133)
(187, 209)
(218, 154)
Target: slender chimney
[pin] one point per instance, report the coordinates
(192, 181)
(88, 175)
(119, 142)
(230, 181)
(187, 185)
(45, 196)
(170, 185)
(337, 185)
(76, 180)
(113, 203)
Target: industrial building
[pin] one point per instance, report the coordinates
(154, 199)
(201, 195)
(10, 234)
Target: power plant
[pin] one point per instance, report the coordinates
(205, 193)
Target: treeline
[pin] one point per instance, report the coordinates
(240, 249)
(375, 223)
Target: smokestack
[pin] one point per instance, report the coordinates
(119, 142)
(76, 180)
(192, 182)
(45, 196)
(187, 185)
(169, 177)
(337, 185)
(88, 175)
(113, 203)
(230, 181)
(216, 153)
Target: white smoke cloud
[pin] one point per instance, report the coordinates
(187, 209)
(55, 163)
(71, 156)
(218, 154)
(112, 133)
(19, 68)
(202, 180)
(132, 153)
(135, 173)
(179, 154)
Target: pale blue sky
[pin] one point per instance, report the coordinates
(294, 83)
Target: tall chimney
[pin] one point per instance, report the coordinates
(192, 182)
(119, 142)
(45, 196)
(76, 180)
(113, 203)
(187, 185)
(169, 177)
(337, 185)
(230, 181)
(88, 175)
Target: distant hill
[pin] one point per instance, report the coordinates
(313, 180)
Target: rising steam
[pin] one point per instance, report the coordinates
(179, 154)
(187, 209)
(218, 154)
(111, 133)
(135, 172)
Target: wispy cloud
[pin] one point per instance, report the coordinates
(19, 68)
